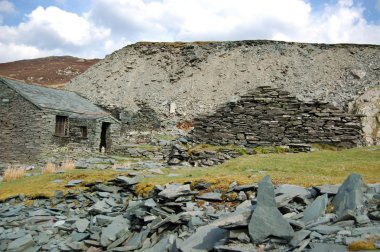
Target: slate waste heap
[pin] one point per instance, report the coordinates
(183, 217)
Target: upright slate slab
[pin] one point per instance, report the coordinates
(315, 209)
(267, 220)
(350, 195)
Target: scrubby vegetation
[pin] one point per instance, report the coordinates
(12, 173)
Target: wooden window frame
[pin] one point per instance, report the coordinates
(83, 132)
(61, 126)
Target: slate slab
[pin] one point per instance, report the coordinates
(211, 196)
(350, 195)
(326, 230)
(118, 227)
(204, 239)
(129, 181)
(298, 237)
(292, 190)
(325, 247)
(328, 189)
(315, 209)
(266, 219)
(82, 225)
(73, 183)
(174, 191)
(21, 244)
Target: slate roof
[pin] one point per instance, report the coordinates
(57, 99)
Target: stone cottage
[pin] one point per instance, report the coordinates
(35, 118)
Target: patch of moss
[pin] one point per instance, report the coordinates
(270, 149)
(361, 245)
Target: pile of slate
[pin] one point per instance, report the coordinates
(180, 217)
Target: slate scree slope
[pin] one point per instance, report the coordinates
(162, 84)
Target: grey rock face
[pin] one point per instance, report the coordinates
(350, 195)
(266, 219)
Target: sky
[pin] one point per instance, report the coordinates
(95, 28)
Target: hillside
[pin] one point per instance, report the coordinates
(193, 78)
(50, 71)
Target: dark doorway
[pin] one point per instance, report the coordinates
(105, 137)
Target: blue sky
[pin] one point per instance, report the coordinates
(94, 28)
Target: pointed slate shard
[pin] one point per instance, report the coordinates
(349, 196)
(315, 209)
(267, 220)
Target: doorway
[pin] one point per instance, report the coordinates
(105, 137)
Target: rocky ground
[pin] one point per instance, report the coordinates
(181, 80)
(50, 71)
(183, 217)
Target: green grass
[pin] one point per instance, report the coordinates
(306, 169)
(35, 186)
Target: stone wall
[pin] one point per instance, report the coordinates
(25, 130)
(270, 116)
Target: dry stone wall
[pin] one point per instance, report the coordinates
(271, 116)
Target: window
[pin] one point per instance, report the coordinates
(61, 125)
(83, 131)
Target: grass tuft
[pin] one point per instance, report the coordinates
(49, 168)
(68, 165)
(13, 173)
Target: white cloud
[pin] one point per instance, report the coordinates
(188, 20)
(111, 24)
(52, 30)
(7, 7)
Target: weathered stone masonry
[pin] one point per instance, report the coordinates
(270, 116)
(28, 122)
(19, 140)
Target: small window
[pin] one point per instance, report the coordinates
(83, 132)
(61, 125)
